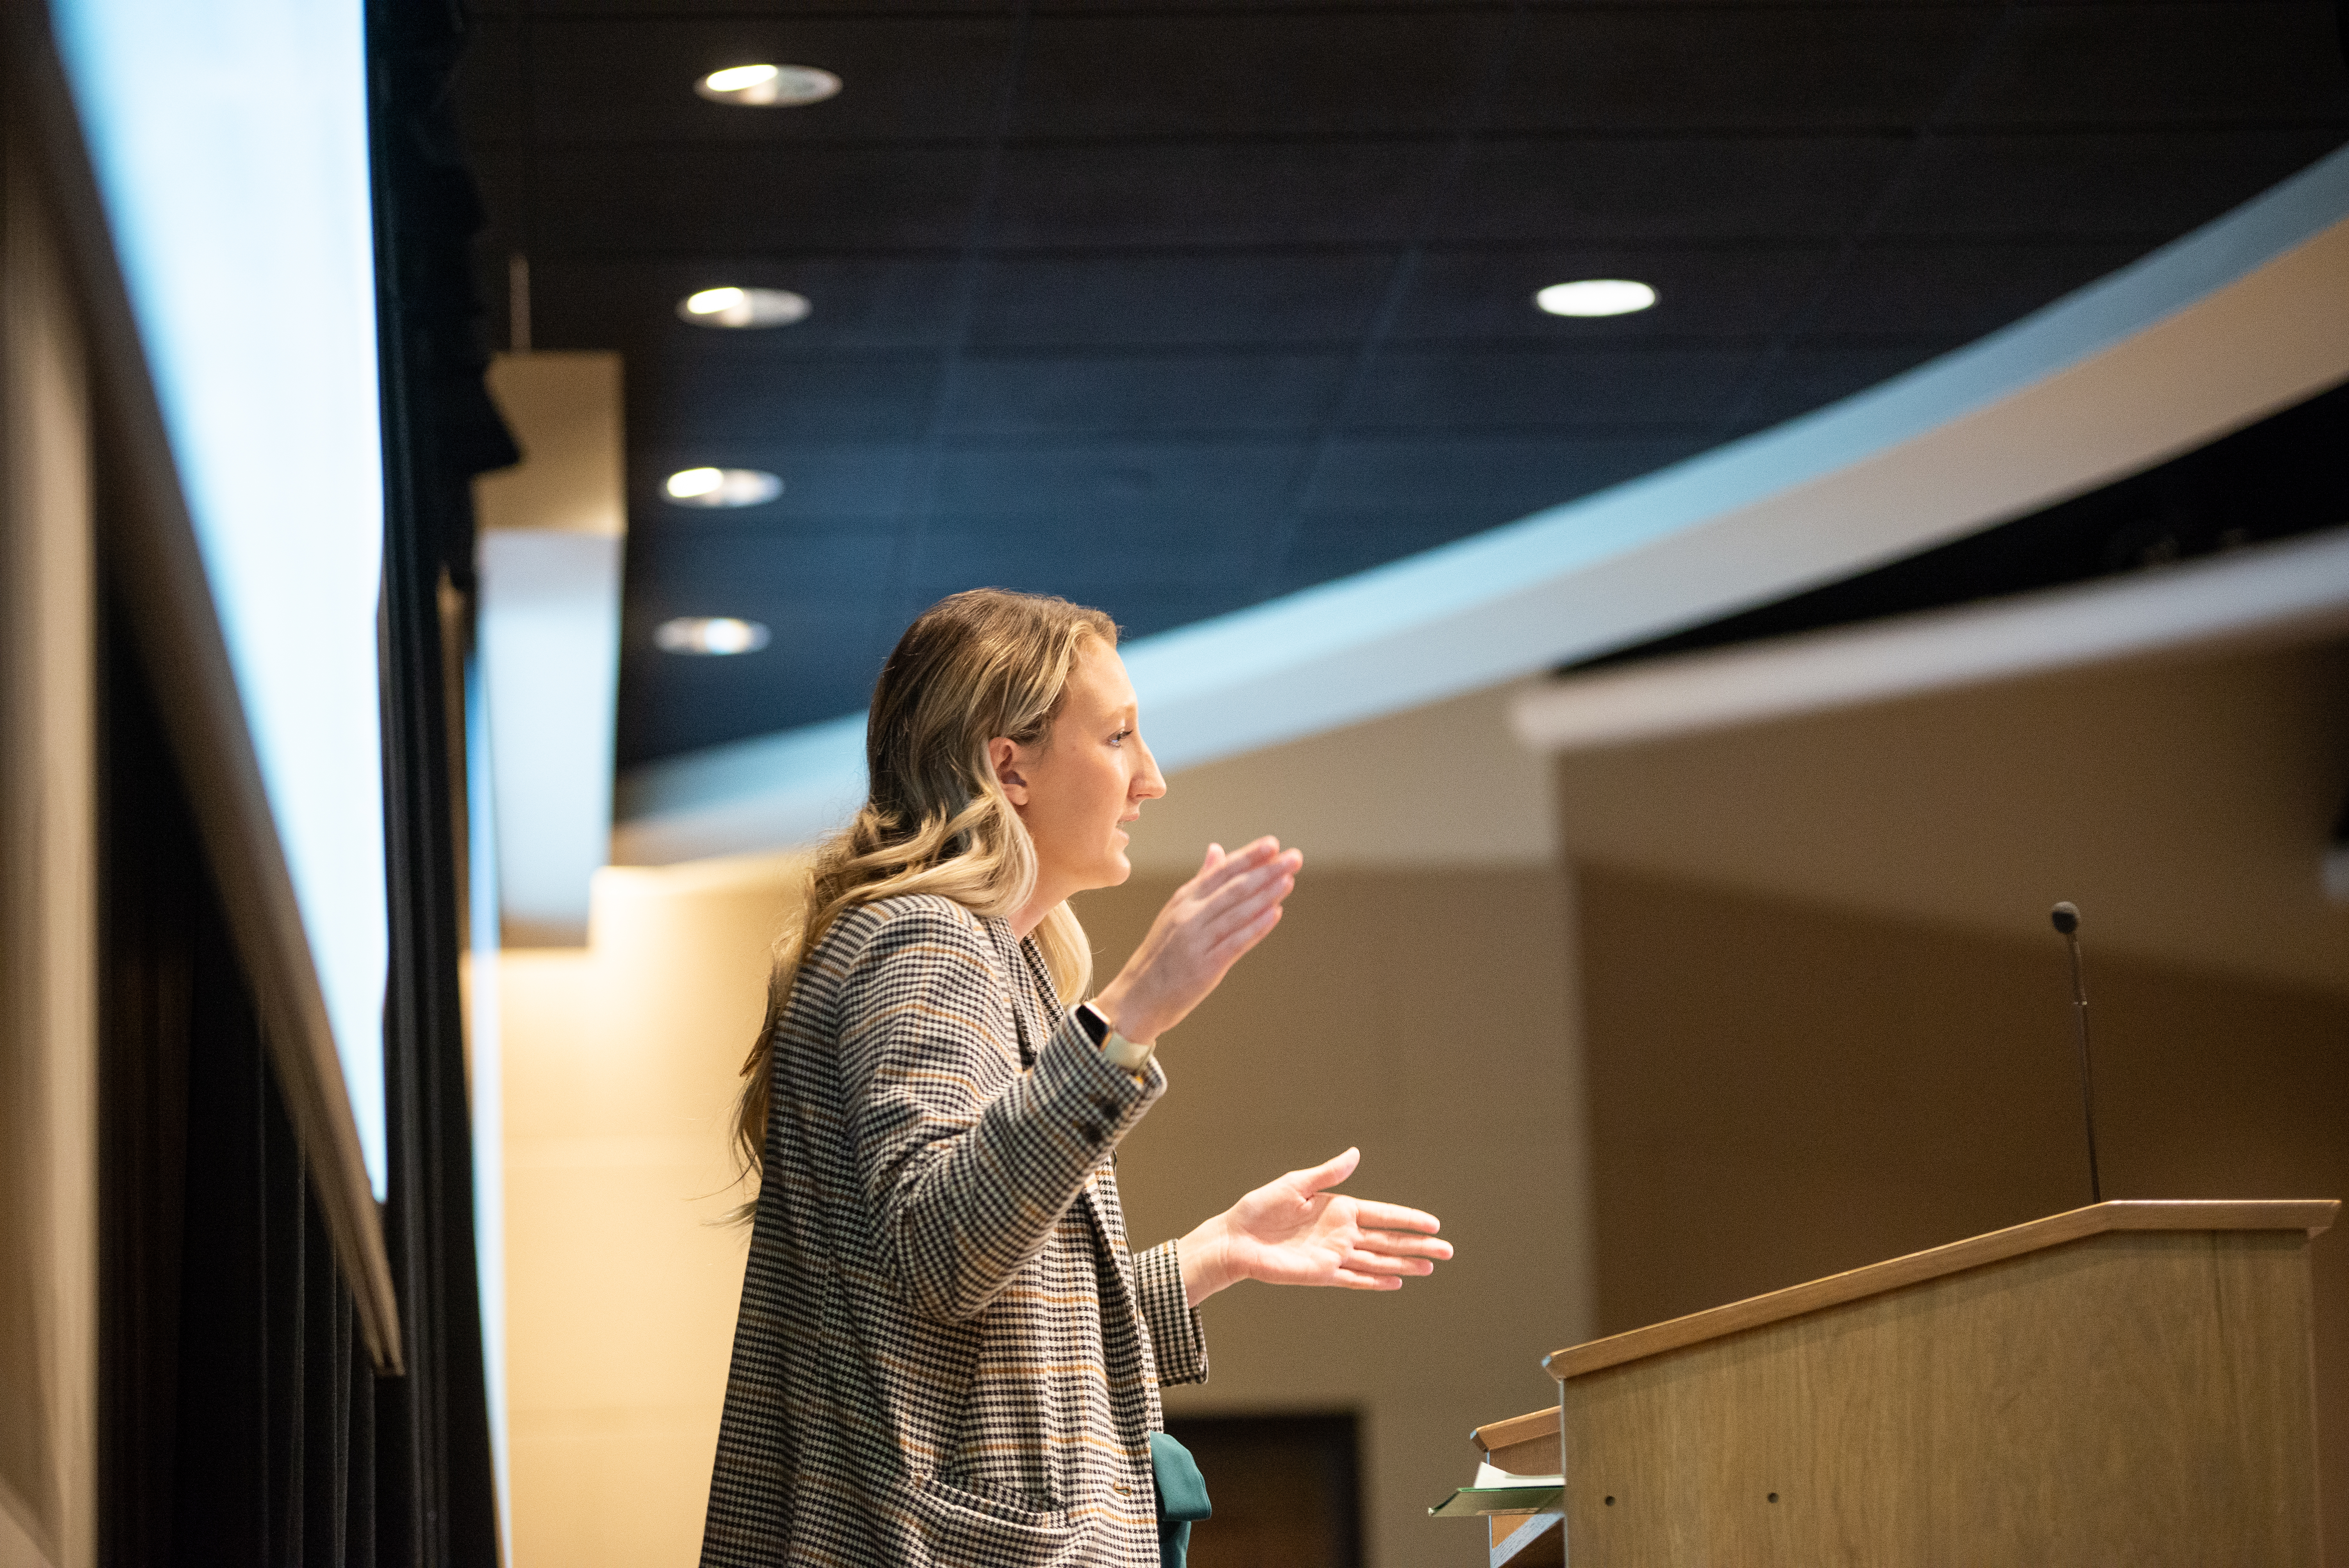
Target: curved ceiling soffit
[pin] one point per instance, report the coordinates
(2209, 333)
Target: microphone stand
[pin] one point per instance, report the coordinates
(2066, 919)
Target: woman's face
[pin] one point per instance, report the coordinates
(1087, 778)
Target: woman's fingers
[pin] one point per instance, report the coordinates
(1242, 888)
(1404, 1244)
(1216, 925)
(1379, 1264)
(1273, 880)
(1376, 1216)
(1353, 1281)
(1221, 868)
(1228, 949)
(1328, 1174)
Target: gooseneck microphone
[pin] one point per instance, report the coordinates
(2066, 918)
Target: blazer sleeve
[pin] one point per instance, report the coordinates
(1175, 1333)
(966, 1162)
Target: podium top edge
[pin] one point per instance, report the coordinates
(2311, 1216)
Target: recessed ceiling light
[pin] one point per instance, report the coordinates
(1596, 296)
(716, 634)
(722, 487)
(767, 87)
(743, 307)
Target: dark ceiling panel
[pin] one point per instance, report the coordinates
(1778, 67)
(2062, 185)
(1240, 298)
(2143, 62)
(752, 399)
(1579, 386)
(1578, 190)
(492, 84)
(1104, 301)
(1198, 194)
(1495, 479)
(1268, 73)
(1118, 477)
(732, 197)
(778, 8)
(1115, 546)
(1332, 544)
(1162, 392)
(1956, 290)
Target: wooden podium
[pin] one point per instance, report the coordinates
(2126, 1383)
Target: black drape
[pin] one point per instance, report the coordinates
(237, 1406)
(440, 430)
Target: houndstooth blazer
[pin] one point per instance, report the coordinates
(945, 1354)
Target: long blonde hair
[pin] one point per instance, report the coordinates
(973, 666)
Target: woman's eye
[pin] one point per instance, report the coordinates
(1119, 739)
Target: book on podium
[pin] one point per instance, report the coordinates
(2128, 1383)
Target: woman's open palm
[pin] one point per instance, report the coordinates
(1295, 1231)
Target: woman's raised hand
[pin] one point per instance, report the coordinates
(1295, 1231)
(1226, 909)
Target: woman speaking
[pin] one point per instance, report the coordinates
(946, 1353)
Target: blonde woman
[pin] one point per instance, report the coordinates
(946, 1353)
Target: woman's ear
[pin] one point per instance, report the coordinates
(1003, 755)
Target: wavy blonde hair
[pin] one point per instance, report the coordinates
(972, 668)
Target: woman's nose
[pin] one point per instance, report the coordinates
(1149, 784)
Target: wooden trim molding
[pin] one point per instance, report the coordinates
(2310, 1216)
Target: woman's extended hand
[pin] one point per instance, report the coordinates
(1220, 913)
(1294, 1230)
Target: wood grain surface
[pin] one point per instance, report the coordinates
(2141, 1397)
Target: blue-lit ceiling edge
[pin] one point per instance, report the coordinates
(2209, 333)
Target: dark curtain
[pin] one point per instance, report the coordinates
(237, 1407)
(440, 430)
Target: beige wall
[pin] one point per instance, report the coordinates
(1422, 1015)
(2183, 805)
(619, 1068)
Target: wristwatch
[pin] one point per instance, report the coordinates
(1131, 1054)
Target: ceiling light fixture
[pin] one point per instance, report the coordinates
(1596, 296)
(767, 87)
(712, 634)
(743, 307)
(722, 487)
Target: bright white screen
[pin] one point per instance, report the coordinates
(230, 143)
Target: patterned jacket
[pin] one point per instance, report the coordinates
(945, 1354)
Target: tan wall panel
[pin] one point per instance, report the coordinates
(1418, 1015)
(619, 1073)
(2183, 805)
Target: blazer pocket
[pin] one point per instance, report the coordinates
(967, 1515)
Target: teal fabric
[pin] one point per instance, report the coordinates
(1182, 1498)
